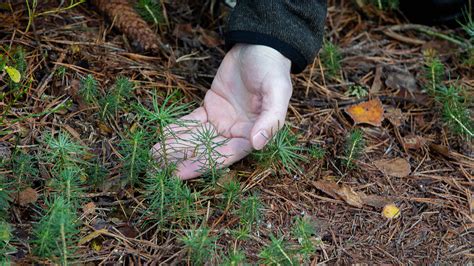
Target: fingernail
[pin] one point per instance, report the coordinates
(260, 139)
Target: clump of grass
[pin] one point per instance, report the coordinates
(55, 235)
(5, 246)
(277, 253)
(199, 244)
(135, 155)
(434, 71)
(303, 231)
(116, 98)
(353, 147)
(331, 58)
(89, 89)
(282, 151)
(150, 11)
(231, 192)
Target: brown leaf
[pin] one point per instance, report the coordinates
(370, 112)
(375, 201)
(339, 191)
(414, 142)
(395, 116)
(398, 167)
(377, 84)
(27, 196)
(88, 208)
(401, 80)
(350, 196)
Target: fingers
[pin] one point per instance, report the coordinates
(232, 151)
(272, 116)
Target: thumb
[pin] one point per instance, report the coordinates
(272, 116)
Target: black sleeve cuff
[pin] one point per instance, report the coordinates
(298, 61)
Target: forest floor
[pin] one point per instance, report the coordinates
(333, 208)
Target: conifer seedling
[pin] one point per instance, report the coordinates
(277, 253)
(282, 151)
(331, 58)
(353, 148)
(199, 244)
(150, 11)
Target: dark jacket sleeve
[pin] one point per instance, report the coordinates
(293, 27)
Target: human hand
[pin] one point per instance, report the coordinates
(246, 105)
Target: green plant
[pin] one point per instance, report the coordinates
(161, 116)
(434, 71)
(169, 199)
(89, 90)
(96, 173)
(303, 231)
(150, 11)
(4, 195)
(282, 150)
(455, 112)
(249, 212)
(117, 97)
(235, 258)
(62, 151)
(24, 168)
(206, 140)
(135, 155)
(5, 246)
(55, 235)
(277, 253)
(353, 147)
(317, 152)
(356, 91)
(68, 184)
(199, 244)
(386, 4)
(331, 58)
(231, 192)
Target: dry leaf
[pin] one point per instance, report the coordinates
(350, 196)
(375, 201)
(88, 208)
(414, 142)
(5, 152)
(395, 116)
(340, 191)
(391, 211)
(92, 235)
(27, 196)
(397, 167)
(370, 112)
(398, 80)
(377, 84)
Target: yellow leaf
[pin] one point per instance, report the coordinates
(391, 211)
(13, 73)
(92, 235)
(96, 246)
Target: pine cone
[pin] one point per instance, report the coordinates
(129, 22)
